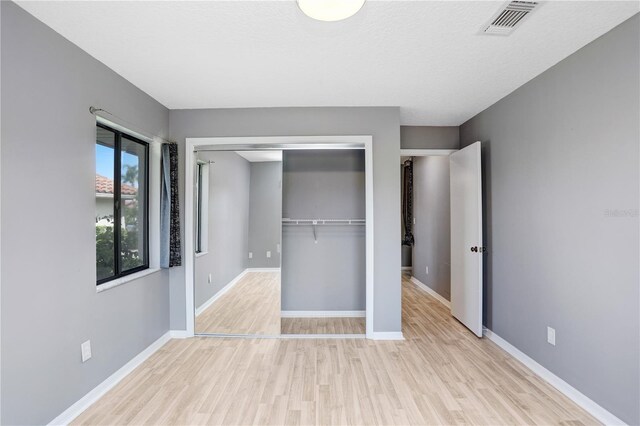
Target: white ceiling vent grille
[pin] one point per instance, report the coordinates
(509, 17)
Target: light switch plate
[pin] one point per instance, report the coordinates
(268, 254)
(85, 349)
(551, 336)
(210, 279)
(250, 255)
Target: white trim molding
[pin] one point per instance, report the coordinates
(387, 335)
(193, 144)
(422, 286)
(426, 152)
(263, 269)
(178, 334)
(322, 314)
(323, 336)
(68, 415)
(220, 292)
(565, 388)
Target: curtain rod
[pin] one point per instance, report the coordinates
(99, 112)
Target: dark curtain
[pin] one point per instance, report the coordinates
(170, 253)
(407, 203)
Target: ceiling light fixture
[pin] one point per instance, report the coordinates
(330, 10)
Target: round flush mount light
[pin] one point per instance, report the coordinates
(330, 10)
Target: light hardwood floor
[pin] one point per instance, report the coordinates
(441, 374)
(251, 306)
(323, 325)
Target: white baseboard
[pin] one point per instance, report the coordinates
(322, 314)
(222, 291)
(387, 335)
(96, 393)
(422, 286)
(407, 268)
(565, 388)
(179, 334)
(322, 336)
(263, 269)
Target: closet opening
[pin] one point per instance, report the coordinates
(299, 229)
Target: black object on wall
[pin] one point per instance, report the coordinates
(407, 203)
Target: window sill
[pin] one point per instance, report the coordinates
(202, 253)
(125, 279)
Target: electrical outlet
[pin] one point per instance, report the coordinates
(250, 255)
(278, 248)
(268, 254)
(85, 349)
(551, 336)
(210, 279)
(427, 270)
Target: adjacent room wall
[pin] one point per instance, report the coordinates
(429, 137)
(561, 196)
(432, 231)
(327, 275)
(228, 210)
(380, 122)
(265, 213)
(49, 300)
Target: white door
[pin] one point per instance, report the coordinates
(466, 237)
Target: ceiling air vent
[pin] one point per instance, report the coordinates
(509, 17)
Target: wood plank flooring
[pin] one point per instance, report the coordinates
(323, 325)
(441, 374)
(251, 306)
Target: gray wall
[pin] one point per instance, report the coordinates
(49, 300)
(561, 196)
(406, 256)
(328, 275)
(265, 213)
(432, 231)
(228, 239)
(429, 137)
(380, 122)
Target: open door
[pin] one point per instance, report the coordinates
(466, 237)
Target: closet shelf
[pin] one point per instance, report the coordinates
(315, 222)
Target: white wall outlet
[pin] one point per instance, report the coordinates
(551, 336)
(414, 220)
(209, 279)
(85, 349)
(427, 270)
(250, 255)
(268, 254)
(278, 248)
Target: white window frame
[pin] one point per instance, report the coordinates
(202, 207)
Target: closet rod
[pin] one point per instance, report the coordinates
(287, 221)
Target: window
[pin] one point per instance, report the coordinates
(122, 204)
(202, 201)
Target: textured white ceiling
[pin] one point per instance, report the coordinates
(424, 56)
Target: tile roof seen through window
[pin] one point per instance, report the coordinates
(105, 186)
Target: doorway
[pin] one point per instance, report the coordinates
(442, 231)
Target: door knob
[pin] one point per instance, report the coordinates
(474, 249)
